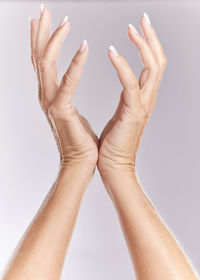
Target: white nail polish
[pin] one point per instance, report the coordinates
(133, 28)
(147, 18)
(29, 19)
(113, 50)
(41, 9)
(65, 19)
(83, 46)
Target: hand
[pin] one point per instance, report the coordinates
(120, 138)
(75, 139)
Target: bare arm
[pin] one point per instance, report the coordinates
(40, 253)
(154, 251)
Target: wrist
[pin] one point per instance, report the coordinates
(79, 168)
(82, 165)
(74, 177)
(116, 172)
(110, 168)
(117, 181)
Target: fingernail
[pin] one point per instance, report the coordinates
(41, 9)
(132, 28)
(113, 50)
(83, 46)
(147, 18)
(63, 21)
(29, 19)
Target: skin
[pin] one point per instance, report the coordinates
(41, 251)
(154, 251)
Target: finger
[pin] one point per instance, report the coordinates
(145, 52)
(156, 47)
(47, 64)
(33, 35)
(153, 73)
(72, 76)
(54, 45)
(43, 32)
(153, 41)
(125, 73)
(126, 76)
(41, 41)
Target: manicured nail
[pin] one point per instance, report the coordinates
(29, 19)
(41, 9)
(113, 50)
(132, 28)
(83, 46)
(65, 19)
(147, 18)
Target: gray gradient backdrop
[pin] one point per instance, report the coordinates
(169, 157)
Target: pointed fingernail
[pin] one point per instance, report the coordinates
(147, 18)
(83, 46)
(113, 50)
(41, 9)
(133, 29)
(29, 19)
(65, 19)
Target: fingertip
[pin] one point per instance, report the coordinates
(33, 23)
(42, 8)
(47, 11)
(65, 26)
(44, 13)
(113, 51)
(129, 33)
(145, 24)
(132, 34)
(132, 29)
(147, 19)
(63, 21)
(30, 19)
(142, 23)
(83, 46)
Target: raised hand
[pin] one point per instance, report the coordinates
(41, 251)
(154, 252)
(75, 139)
(121, 136)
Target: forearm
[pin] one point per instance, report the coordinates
(154, 251)
(41, 253)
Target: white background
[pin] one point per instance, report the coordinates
(169, 156)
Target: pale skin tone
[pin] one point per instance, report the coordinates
(154, 251)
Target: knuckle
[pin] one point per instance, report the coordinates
(75, 61)
(33, 59)
(67, 80)
(36, 55)
(44, 64)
